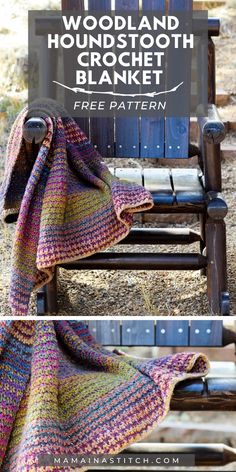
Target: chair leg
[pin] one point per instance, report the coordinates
(202, 222)
(217, 267)
(41, 301)
(47, 298)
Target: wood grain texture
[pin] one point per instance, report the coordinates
(206, 333)
(217, 263)
(172, 333)
(177, 128)
(214, 394)
(131, 174)
(102, 129)
(83, 122)
(161, 333)
(177, 137)
(106, 332)
(152, 134)
(187, 185)
(158, 182)
(211, 72)
(126, 4)
(152, 131)
(138, 333)
(127, 129)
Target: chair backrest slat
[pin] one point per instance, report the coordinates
(77, 5)
(127, 129)
(102, 129)
(177, 129)
(126, 5)
(152, 132)
(205, 333)
(136, 333)
(172, 333)
(179, 333)
(132, 137)
(106, 332)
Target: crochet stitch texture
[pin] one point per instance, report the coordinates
(62, 393)
(68, 204)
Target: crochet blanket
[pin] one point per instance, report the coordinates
(68, 204)
(62, 393)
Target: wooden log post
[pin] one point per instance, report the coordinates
(216, 266)
(212, 132)
(216, 253)
(51, 294)
(211, 72)
(34, 132)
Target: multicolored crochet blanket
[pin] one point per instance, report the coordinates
(69, 204)
(62, 393)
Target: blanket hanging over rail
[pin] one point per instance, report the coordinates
(62, 393)
(68, 204)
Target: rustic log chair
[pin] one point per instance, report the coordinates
(217, 392)
(186, 190)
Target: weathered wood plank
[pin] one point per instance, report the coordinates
(187, 185)
(211, 72)
(206, 333)
(162, 333)
(158, 182)
(177, 138)
(152, 138)
(177, 128)
(226, 387)
(153, 129)
(129, 173)
(102, 129)
(106, 332)
(77, 5)
(127, 129)
(192, 396)
(138, 333)
(172, 333)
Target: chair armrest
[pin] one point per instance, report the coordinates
(217, 207)
(34, 130)
(212, 129)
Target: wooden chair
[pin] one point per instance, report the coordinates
(216, 392)
(175, 190)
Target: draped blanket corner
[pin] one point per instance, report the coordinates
(68, 204)
(62, 393)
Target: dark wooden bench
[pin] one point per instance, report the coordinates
(175, 190)
(215, 392)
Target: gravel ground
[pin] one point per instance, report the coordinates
(131, 293)
(135, 293)
(159, 293)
